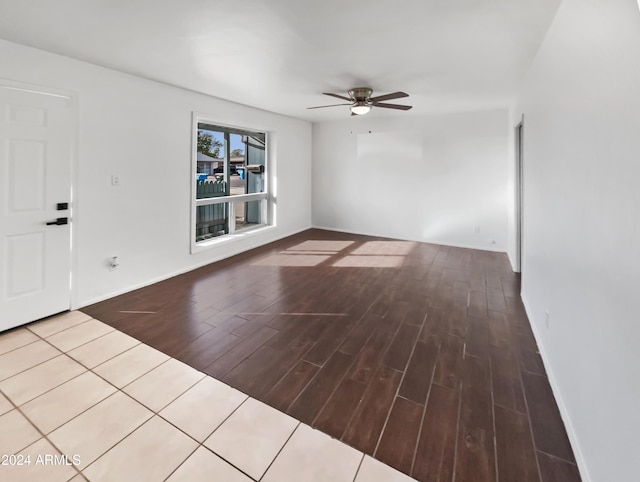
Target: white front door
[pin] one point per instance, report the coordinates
(35, 175)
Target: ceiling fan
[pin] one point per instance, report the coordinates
(361, 102)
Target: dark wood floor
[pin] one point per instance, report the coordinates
(420, 355)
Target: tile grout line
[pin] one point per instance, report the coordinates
(59, 331)
(355, 476)
(556, 457)
(20, 346)
(77, 415)
(157, 414)
(182, 463)
(281, 449)
(43, 435)
(65, 353)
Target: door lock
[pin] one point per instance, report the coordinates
(59, 222)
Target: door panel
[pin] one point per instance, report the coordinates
(26, 175)
(24, 264)
(35, 175)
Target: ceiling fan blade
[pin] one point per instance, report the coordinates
(395, 95)
(338, 96)
(323, 106)
(392, 106)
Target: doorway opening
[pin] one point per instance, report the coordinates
(518, 191)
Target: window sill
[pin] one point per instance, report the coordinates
(229, 238)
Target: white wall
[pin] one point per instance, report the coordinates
(581, 102)
(141, 131)
(423, 178)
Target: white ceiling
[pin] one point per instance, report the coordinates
(280, 55)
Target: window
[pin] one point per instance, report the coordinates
(230, 181)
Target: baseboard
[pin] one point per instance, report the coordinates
(557, 394)
(164, 277)
(440, 243)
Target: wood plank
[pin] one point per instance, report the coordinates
(506, 382)
(531, 362)
(240, 352)
(475, 460)
(248, 328)
(553, 469)
(359, 334)
(460, 291)
(329, 341)
(515, 452)
(417, 313)
(337, 413)
(398, 442)
(510, 284)
(548, 430)
(276, 368)
(368, 421)
(367, 361)
(495, 300)
(478, 304)
(310, 402)
(435, 324)
(449, 365)
(400, 349)
(288, 389)
(242, 375)
(295, 327)
(436, 446)
(417, 378)
(477, 339)
(457, 319)
(499, 330)
(202, 352)
(382, 304)
(396, 314)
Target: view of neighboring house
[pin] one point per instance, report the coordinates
(208, 165)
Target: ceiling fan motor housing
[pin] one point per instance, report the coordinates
(361, 94)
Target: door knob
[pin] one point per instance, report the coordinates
(59, 222)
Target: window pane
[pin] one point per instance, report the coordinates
(210, 187)
(230, 162)
(212, 221)
(248, 214)
(237, 177)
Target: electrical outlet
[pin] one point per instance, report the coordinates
(476, 229)
(547, 319)
(115, 180)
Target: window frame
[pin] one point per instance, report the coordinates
(267, 196)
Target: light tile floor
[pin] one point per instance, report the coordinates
(82, 401)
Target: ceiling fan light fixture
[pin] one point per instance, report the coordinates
(360, 109)
(361, 102)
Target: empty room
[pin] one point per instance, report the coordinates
(319, 241)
